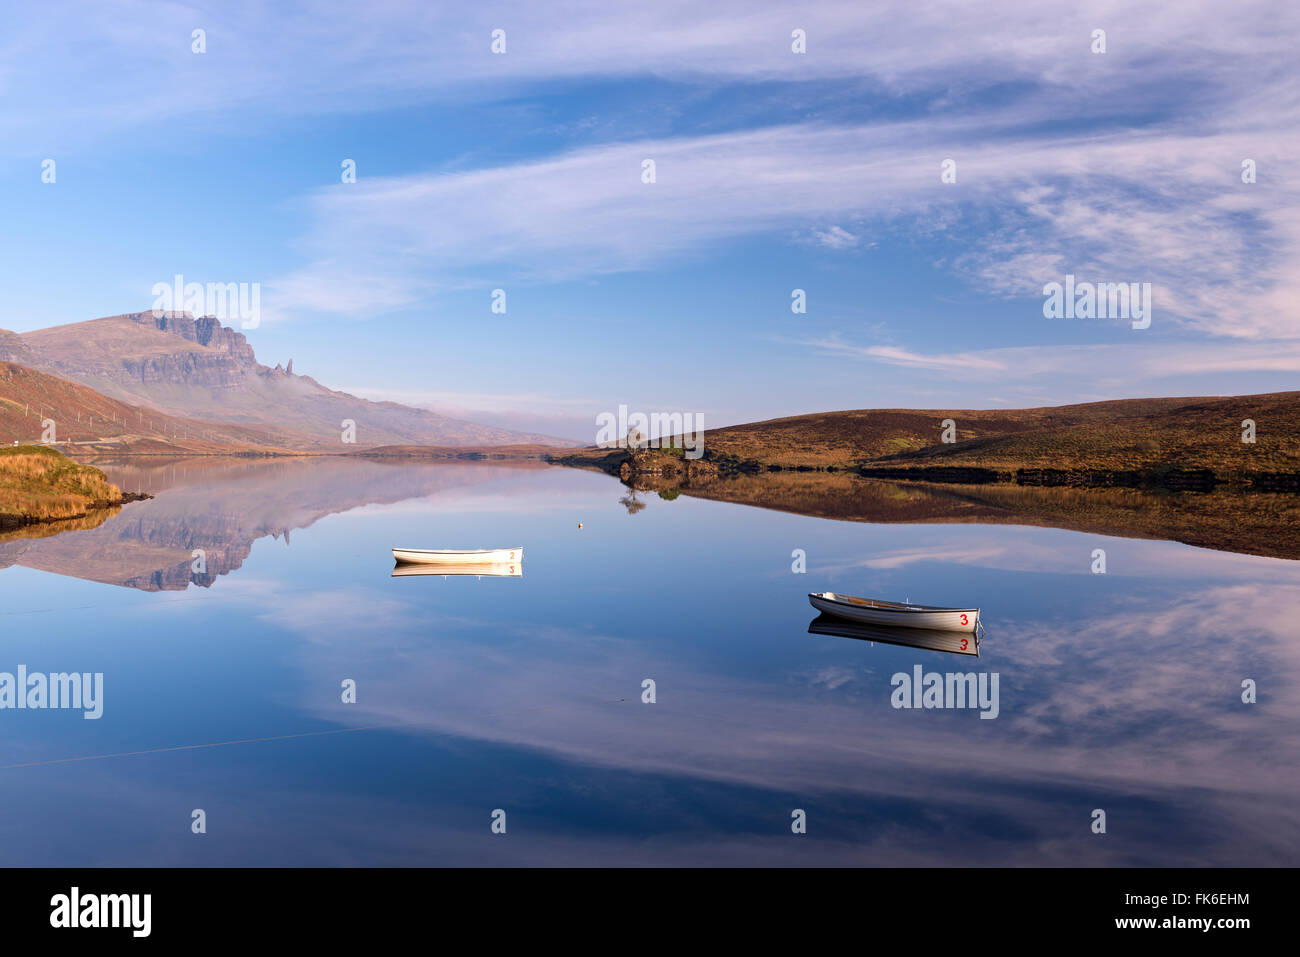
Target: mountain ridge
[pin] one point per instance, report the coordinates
(81, 418)
(197, 368)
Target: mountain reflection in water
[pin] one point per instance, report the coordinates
(219, 508)
(208, 512)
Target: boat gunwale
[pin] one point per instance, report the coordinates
(880, 604)
(457, 551)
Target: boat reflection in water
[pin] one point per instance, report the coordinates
(446, 569)
(952, 642)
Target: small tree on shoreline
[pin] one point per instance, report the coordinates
(636, 445)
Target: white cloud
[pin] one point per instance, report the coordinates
(1098, 702)
(1223, 257)
(835, 237)
(1113, 195)
(130, 62)
(1144, 361)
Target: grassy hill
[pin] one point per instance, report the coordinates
(844, 439)
(1131, 436)
(88, 419)
(1195, 434)
(39, 484)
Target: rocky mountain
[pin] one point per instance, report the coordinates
(198, 368)
(12, 348)
(37, 407)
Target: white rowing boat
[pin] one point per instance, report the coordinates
(873, 611)
(459, 556)
(480, 570)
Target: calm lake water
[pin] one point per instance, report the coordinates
(1119, 692)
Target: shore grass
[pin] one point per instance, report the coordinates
(1249, 441)
(39, 484)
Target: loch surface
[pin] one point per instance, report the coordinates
(228, 613)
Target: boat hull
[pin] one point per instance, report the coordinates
(453, 556)
(896, 616)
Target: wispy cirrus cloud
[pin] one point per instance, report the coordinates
(970, 363)
(835, 237)
(1115, 165)
(315, 56)
(1082, 703)
(1127, 361)
(1222, 256)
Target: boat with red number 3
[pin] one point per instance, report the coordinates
(897, 614)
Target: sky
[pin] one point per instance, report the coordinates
(774, 171)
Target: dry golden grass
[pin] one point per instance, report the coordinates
(1200, 434)
(39, 485)
(1120, 435)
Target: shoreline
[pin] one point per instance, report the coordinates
(664, 465)
(39, 485)
(670, 463)
(10, 521)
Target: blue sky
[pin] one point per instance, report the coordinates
(774, 171)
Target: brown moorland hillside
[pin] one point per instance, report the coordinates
(86, 421)
(1125, 435)
(855, 436)
(1196, 434)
